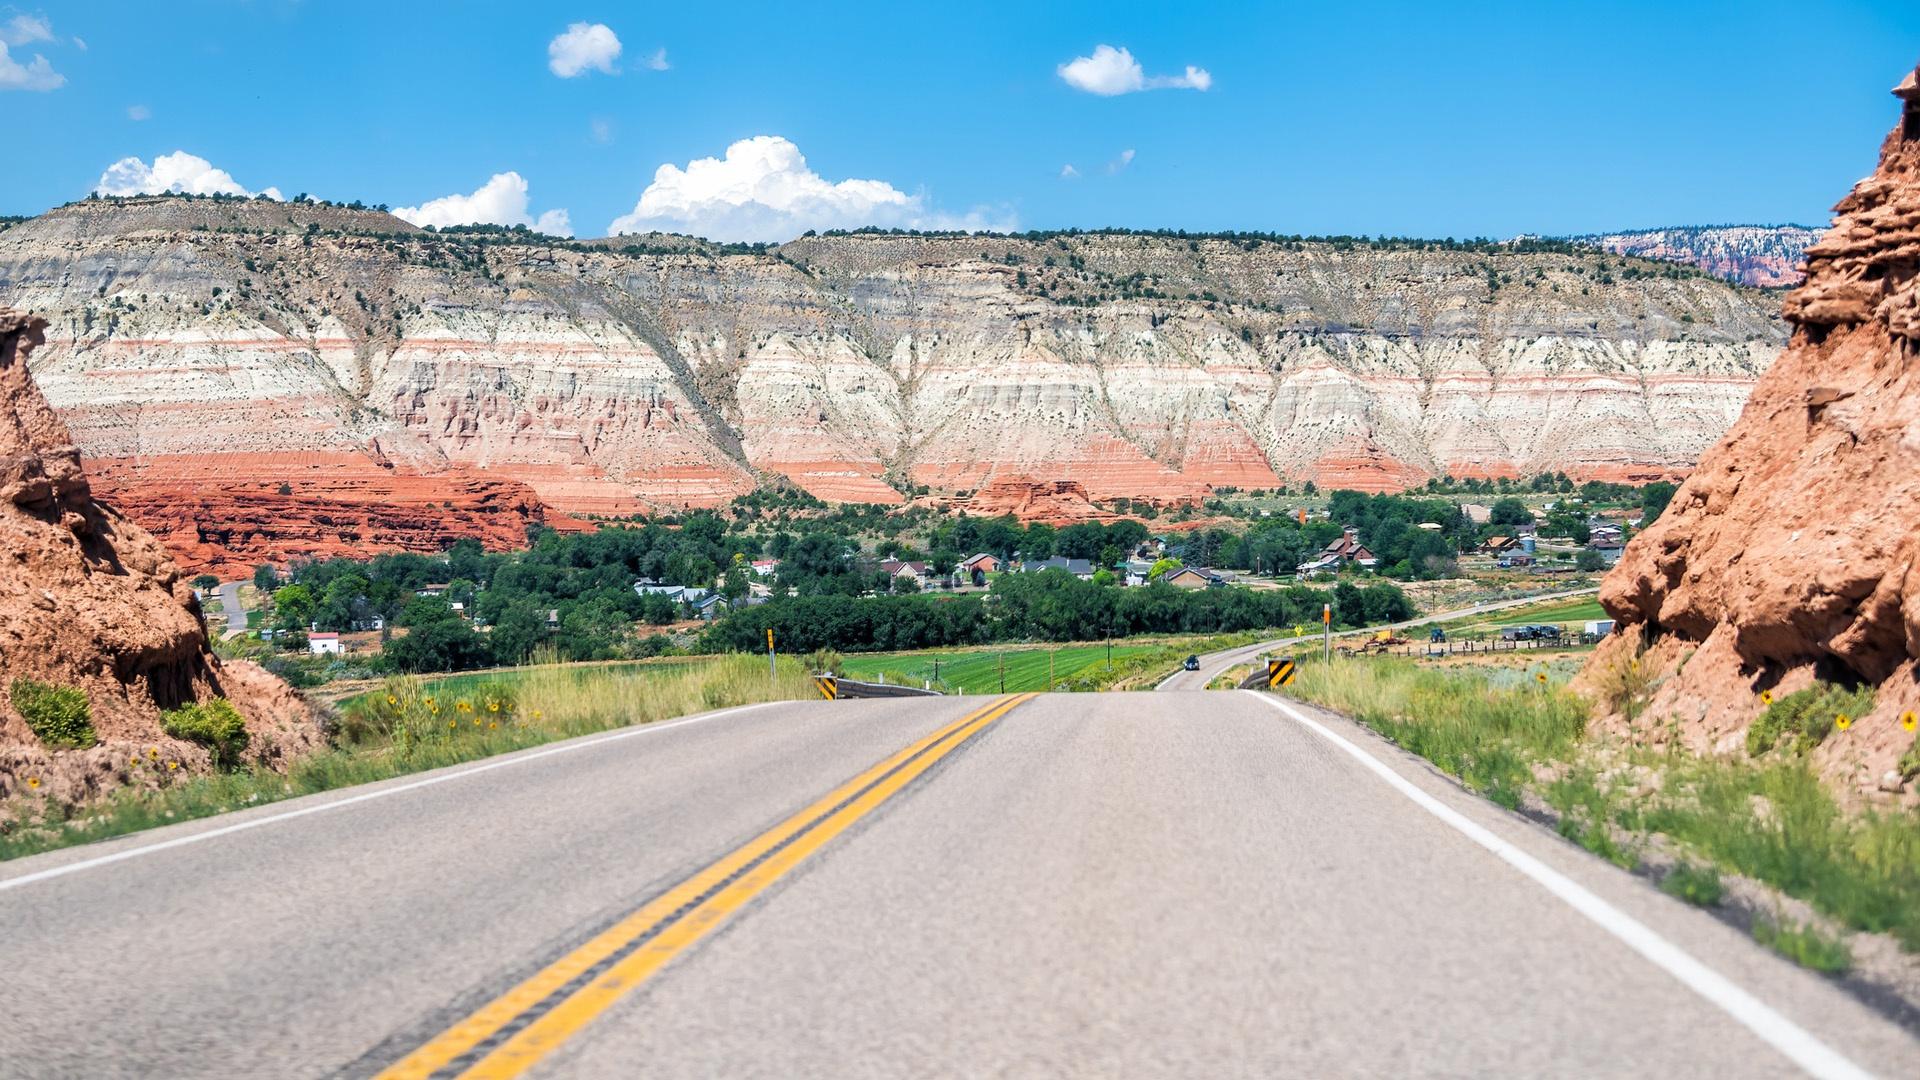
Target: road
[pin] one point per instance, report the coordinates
(1087, 885)
(230, 604)
(1214, 663)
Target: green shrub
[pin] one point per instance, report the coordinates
(1697, 885)
(1801, 720)
(59, 716)
(1808, 946)
(216, 725)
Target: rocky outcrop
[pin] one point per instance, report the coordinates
(90, 600)
(1766, 256)
(1793, 552)
(614, 377)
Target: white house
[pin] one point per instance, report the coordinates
(324, 643)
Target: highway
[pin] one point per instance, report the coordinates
(230, 604)
(1213, 664)
(1082, 885)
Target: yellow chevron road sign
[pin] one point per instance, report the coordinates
(1280, 671)
(828, 685)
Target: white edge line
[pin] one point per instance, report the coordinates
(1798, 1044)
(456, 772)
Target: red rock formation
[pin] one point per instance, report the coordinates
(226, 514)
(1790, 554)
(90, 600)
(1055, 502)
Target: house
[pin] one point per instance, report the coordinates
(765, 567)
(553, 619)
(430, 590)
(1610, 551)
(1499, 545)
(915, 572)
(1349, 549)
(708, 607)
(1317, 565)
(1478, 513)
(679, 594)
(328, 644)
(974, 570)
(1135, 571)
(1080, 568)
(1194, 577)
(1606, 533)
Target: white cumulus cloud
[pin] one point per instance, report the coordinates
(500, 201)
(25, 30)
(658, 61)
(35, 75)
(583, 46)
(763, 191)
(178, 172)
(1068, 172)
(1125, 159)
(1110, 71)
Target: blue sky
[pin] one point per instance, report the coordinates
(1429, 119)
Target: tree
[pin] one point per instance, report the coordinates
(293, 607)
(1511, 511)
(1653, 501)
(520, 627)
(206, 583)
(265, 577)
(1162, 566)
(1589, 560)
(446, 645)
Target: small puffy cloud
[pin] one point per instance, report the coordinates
(658, 61)
(36, 75)
(584, 46)
(139, 112)
(763, 191)
(500, 201)
(179, 172)
(80, 43)
(601, 130)
(1068, 172)
(1110, 71)
(1125, 159)
(25, 30)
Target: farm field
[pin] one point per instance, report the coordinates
(979, 671)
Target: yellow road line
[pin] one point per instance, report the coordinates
(509, 1034)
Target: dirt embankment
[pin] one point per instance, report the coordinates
(1789, 557)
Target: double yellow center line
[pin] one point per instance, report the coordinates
(510, 1034)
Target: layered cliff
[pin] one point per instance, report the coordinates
(90, 601)
(1792, 555)
(1768, 256)
(293, 343)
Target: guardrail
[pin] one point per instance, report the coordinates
(834, 688)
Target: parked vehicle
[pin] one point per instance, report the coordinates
(1437, 635)
(1543, 632)
(1516, 633)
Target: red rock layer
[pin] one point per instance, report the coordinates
(90, 600)
(225, 514)
(1793, 552)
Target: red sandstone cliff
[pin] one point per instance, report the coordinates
(1790, 554)
(89, 600)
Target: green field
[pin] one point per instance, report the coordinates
(979, 671)
(1571, 614)
(453, 686)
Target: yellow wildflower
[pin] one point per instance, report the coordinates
(391, 700)
(1842, 721)
(493, 706)
(33, 781)
(493, 725)
(173, 764)
(1766, 697)
(1907, 720)
(153, 751)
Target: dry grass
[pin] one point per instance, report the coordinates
(410, 726)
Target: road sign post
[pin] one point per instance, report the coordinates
(1326, 632)
(771, 674)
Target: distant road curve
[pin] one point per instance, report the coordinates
(1213, 663)
(230, 604)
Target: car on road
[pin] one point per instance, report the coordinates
(1191, 663)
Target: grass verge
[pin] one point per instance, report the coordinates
(1770, 820)
(412, 726)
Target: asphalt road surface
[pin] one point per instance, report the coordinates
(1213, 664)
(230, 604)
(1086, 885)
